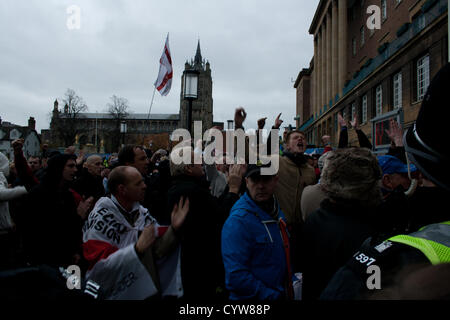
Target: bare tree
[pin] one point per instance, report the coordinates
(73, 103)
(67, 126)
(118, 109)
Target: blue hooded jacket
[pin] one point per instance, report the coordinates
(253, 253)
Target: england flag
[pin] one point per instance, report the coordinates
(164, 81)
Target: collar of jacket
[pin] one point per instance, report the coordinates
(130, 216)
(250, 206)
(201, 182)
(87, 175)
(346, 209)
(298, 159)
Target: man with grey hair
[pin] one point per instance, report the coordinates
(351, 182)
(313, 195)
(90, 182)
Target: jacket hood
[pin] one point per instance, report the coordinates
(4, 164)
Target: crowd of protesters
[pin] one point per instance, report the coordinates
(140, 225)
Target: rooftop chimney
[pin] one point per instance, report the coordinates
(32, 123)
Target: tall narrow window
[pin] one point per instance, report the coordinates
(383, 9)
(423, 76)
(353, 111)
(364, 109)
(397, 83)
(421, 22)
(335, 122)
(362, 36)
(378, 101)
(354, 46)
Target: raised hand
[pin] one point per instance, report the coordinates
(354, 123)
(261, 123)
(342, 121)
(278, 122)
(85, 207)
(395, 133)
(80, 157)
(239, 117)
(234, 177)
(18, 145)
(179, 213)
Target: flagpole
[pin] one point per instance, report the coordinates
(151, 104)
(148, 115)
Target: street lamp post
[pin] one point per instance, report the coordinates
(123, 131)
(190, 93)
(96, 132)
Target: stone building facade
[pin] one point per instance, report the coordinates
(101, 131)
(375, 74)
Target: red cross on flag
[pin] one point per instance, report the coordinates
(164, 81)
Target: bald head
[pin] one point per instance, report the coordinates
(94, 165)
(126, 183)
(117, 177)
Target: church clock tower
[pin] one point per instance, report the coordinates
(202, 107)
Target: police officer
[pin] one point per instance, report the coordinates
(380, 263)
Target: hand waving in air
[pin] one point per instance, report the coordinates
(179, 213)
(395, 133)
(278, 122)
(354, 123)
(261, 123)
(239, 117)
(342, 121)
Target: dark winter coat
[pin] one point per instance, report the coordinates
(331, 235)
(88, 185)
(202, 269)
(51, 226)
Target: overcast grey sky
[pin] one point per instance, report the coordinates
(256, 48)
